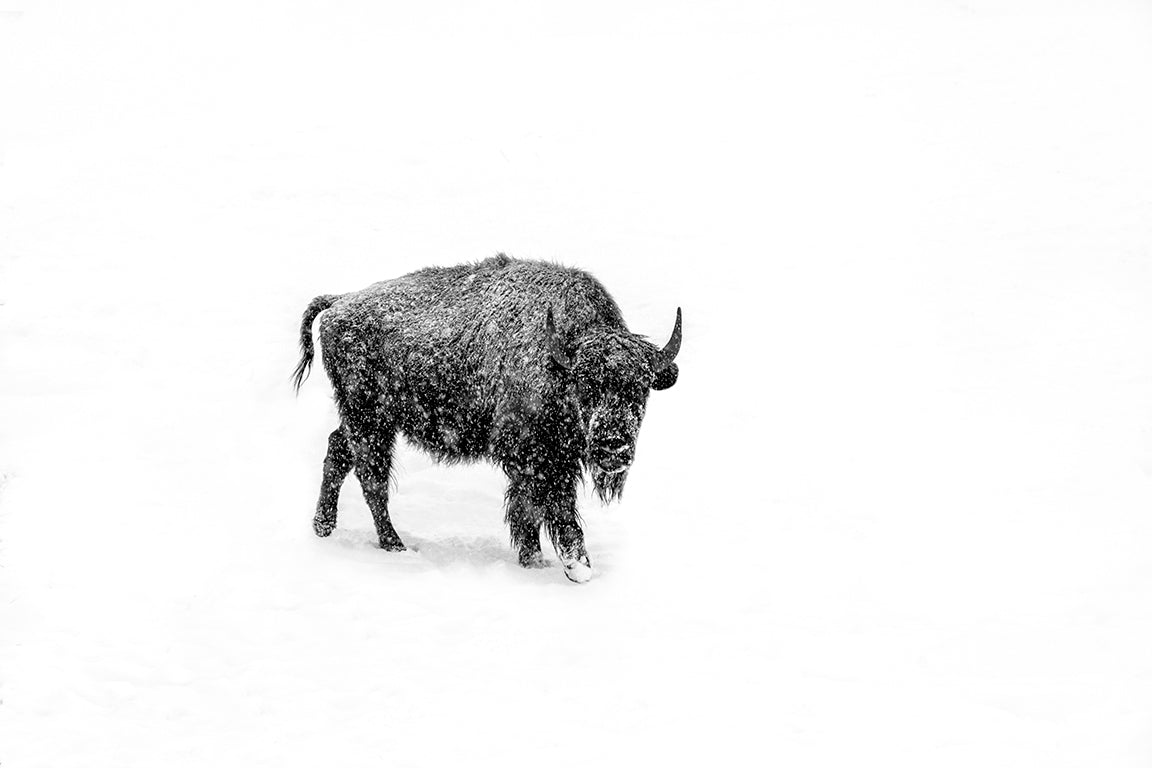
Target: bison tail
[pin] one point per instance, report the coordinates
(308, 351)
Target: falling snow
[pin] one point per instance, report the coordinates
(895, 510)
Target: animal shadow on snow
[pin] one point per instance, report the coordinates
(444, 552)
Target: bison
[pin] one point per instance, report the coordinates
(524, 363)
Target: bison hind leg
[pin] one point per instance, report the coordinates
(371, 449)
(337, 465)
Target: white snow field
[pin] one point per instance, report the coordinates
(896, 512)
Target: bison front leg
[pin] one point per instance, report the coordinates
(534, 501)
(372, 457)
(337, 465)
(524, 521)
(568, 538)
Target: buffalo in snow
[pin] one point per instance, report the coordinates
(524, 363)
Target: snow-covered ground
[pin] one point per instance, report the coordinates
(897, 511)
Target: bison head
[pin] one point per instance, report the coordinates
(612, 372)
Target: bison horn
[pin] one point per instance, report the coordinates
(554, 349)
(665, 357)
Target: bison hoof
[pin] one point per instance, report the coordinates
(578, 571)
(392, 546)
(532, 560)
(323, 527)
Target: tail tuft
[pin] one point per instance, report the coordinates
(308, 351)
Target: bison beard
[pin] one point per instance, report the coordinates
(609, 486)
(498, 360)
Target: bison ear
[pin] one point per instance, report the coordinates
(666, 377)
(554, 349)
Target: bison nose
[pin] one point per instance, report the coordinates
(616, 458)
